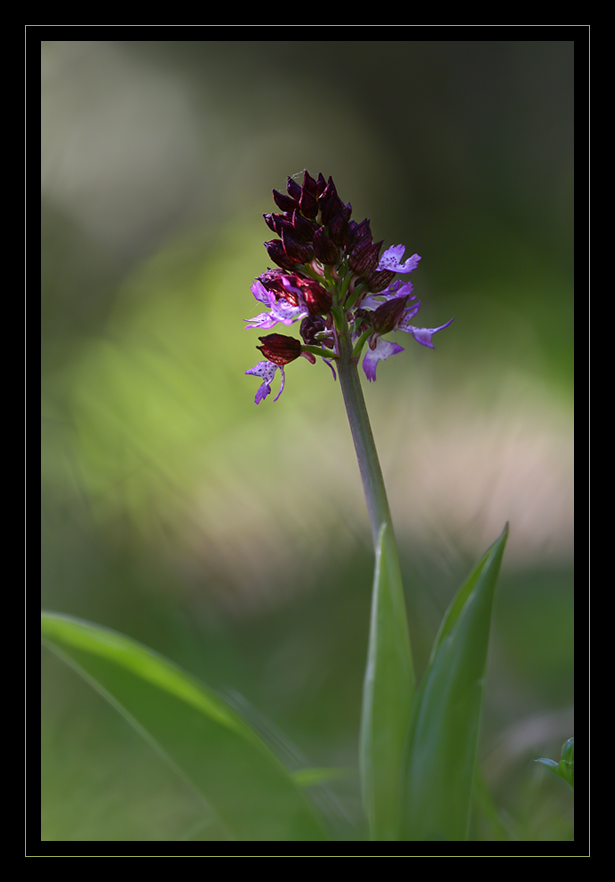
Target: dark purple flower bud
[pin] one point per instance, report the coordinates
(317, 299)
(302, 227)
(279, 348)
(309, 184)
(301, 252)
(338, 227)
(364, 257)
(359, 252)
(276, 252)
(284, 224)
(273, 222)
(293, 189)
(358, 233)
(284, 202)
(324, 249)
(320, 183)
(374, 258)
(297, 226)
(387, 316)
(308, 204)
(378, 281)
(329, 190)
(310, 326)
(330, 203)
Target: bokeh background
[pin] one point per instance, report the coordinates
(234, 538)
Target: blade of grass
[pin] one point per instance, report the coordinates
(444, 728)
(388, 691)
(251, 793)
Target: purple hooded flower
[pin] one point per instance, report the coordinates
(266, 370)
(392, 313)
(384, 348)
(281, 310)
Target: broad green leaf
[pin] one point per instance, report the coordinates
(443, 736)
(388, 691)
(253, 797)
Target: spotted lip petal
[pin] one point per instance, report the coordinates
(382, 349)
(391, 258)
(266, 371)
(281, 311)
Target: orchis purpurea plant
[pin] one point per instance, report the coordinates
(417, 744)
(417, 751)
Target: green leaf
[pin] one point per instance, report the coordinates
(251, 794)
(388, 691)
(443, 735)
(565, 768)
(550, 763)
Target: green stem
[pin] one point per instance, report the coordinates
(369, 466)
(388, 688)
(318, 350)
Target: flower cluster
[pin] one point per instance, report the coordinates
(329, 275)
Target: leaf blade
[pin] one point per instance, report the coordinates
(253, 796)
(388, 691)
(443, 736)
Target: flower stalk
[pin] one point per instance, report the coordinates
(389, 684)
(362, 436)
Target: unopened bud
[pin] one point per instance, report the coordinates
(378, 281)
(386, 318)
(276, 252)
(301, 252)
(324, 249)
(364, 257)
(284, 202)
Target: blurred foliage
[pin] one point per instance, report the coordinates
(234, 538)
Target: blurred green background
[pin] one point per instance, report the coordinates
(234, 538)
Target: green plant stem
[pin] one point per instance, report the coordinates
(388, 687)
(369, 465)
